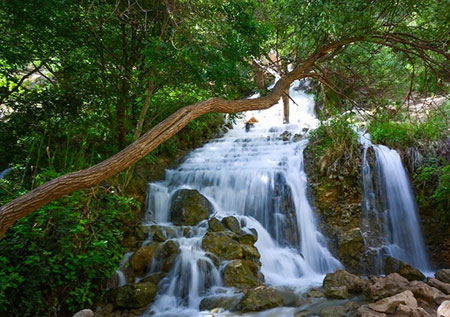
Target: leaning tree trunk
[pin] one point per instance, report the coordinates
(66, 184)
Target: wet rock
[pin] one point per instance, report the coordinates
(214, 225)
(247, 238)
(315, 293)
(422, 291)
(443, 287)
(226, 302)
(189, 207)
(404, 310)
(158, 234)
(164, 255)
(223, 245)
(381, 287)
(140, 260)
(393, 265)
(365, 311)
(250, 253)
(154, 278)
(338, 292)
(390, 304)
(260, 298)
(232, 224)
(285, 136)
(241, 274)
(444, 309)
(353, 283)
(333, 311)
(297, 137)
(351, 247)
(443, 275)
(84, 313)
(133, 295)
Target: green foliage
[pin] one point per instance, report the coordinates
(335, 147)
(434, 180)
(57, 260)
(401, 134)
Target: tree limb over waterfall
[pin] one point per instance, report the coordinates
(66, 184)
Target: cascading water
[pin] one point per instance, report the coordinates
(258, 177)
(390, 217)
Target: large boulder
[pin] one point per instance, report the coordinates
(133, 295)
(404, 310)
(141, 259)
(242, 274)
(393, 265)
(223, 245)
(443, 275)
(381, 287)
(188, 207)
(260, 298)
(353, 283)
(443, 287)
(389, 304)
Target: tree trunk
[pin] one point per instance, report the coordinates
(66, 184)
(285, 98)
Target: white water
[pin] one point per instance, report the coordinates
(396, 214)
(244, 174)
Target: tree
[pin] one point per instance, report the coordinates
(318, 39)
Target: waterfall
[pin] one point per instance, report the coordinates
(257, 176)
(390, 219)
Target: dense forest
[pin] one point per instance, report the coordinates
(98, 97)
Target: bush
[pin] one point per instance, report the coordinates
(57, 260)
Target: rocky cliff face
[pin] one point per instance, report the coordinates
(335, 192)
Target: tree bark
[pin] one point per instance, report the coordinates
(285, 98)
(66, 184)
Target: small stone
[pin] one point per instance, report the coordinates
(232, 224)
(84, 313)
(339, 292)
(444, 309)
(389, 304)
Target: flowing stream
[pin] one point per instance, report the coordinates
(257, 176)
(390, 212)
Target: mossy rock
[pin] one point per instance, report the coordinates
(250, 253)
(248, 238)
(242, 274)
(165, 255)
(214, 225)
(229, 303)
(133, 295)
(189, 207)
(141, 259)
(223, 245)
(232, 224)
(260, 298)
